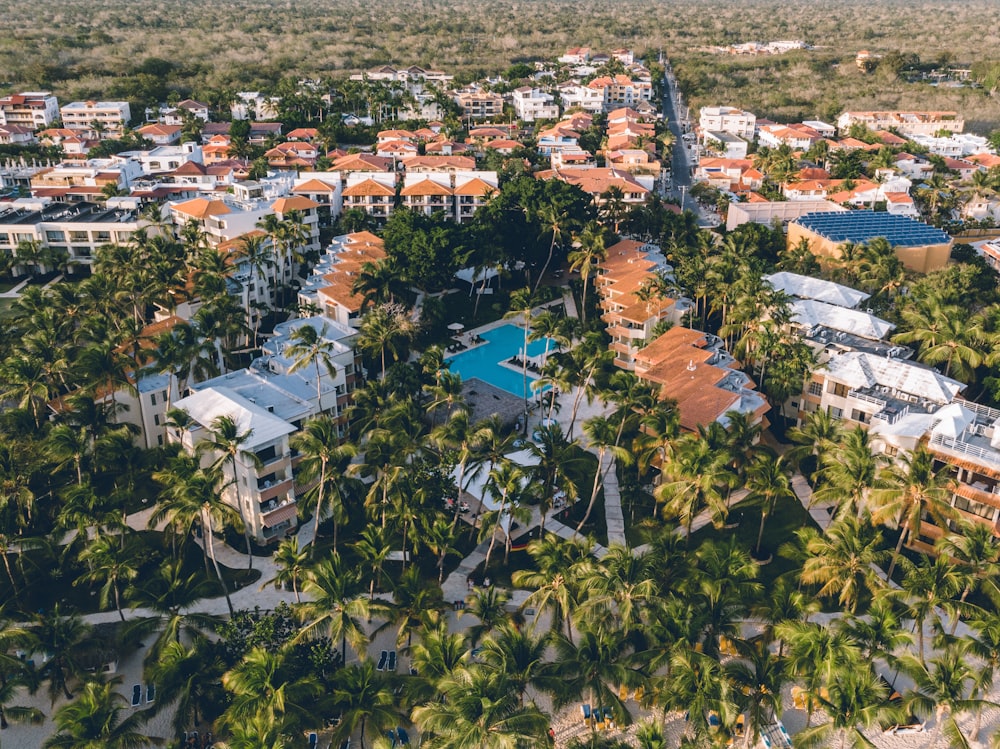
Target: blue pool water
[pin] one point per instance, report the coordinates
(484, 361)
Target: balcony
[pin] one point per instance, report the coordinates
(960, 448)
(274, 491)
(273, 512)
(866, 398)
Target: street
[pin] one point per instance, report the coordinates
(680, 166)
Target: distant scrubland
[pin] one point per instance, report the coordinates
(145, 49)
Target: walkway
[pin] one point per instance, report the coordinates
(15, 292)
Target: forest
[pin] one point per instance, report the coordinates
(145, 51)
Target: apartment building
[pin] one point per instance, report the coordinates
(106, 118)
(907, 123)
(271, 404)
(477, 104)
(596, 181)
(627, 281)
(532, 104)
(621, 91)
(329, 288)
(575, 95)
(728, 120)
(694, 369)
(77, 228)
(371, 192)
(31, 109)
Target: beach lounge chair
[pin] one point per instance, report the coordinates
(767, 741)
(623, 693)
(150, 692)
(713, 720)
(392, 661)
(798, 698)
(392, 737)
(313, 740)
(585, 711)
(345, 744)
(402, 736)
(136, 695)
(784, 733)
(609, 718)
(639, 692)
(741, 723)
(382, 660)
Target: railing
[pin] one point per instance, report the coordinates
(985, 411)
(881, 403)
(957, 445)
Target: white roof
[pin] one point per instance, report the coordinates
(810, 313)
(476, 485)
(860, 370)
(807, 287)
(205, 406)
(912, 425)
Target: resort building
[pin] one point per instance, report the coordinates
(329, 288)
(906, 123)
(31, 109)
(371, 192)
(574, 95)
(271, 404)
(477, 104)
(633, 282)
(77, 228)
(728, 120)
(694, 369)
(108, 119)
(531, 104)
(920, 247)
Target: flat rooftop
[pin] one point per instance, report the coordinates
(81, 213)
(862, 226)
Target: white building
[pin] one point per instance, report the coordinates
(576, 95)
(252, 105)
(531, 104)
(106, 118)
(728, 120)
(33, 109)
(727, 145)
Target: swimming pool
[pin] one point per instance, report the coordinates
(484, 361)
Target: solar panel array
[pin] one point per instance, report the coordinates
(861, 226)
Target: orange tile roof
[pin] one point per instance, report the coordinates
(201, 208)
(440, 162)
(475, 187)
(362, 162)
(426, 187)
(294, 203)
(369, 188)
(314, 186)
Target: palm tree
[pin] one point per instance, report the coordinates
(554, 222)
(69, 445)
(489, 606)
(556, 583)
(692, 482)
(112, 563)
(909, 491)
(588, 251)
(757, 679)
(696, 683)
(186, 677)
(337, 606)
(592, 667)
(63, 638)
(364, 698)
(504, 485)
(480, 710)
(622, 591)
(263, 686)
(373, 547)
(855, 699)
(556, 459)
(943, 336)
(768, 482)
(976, 552)
(225, 439)
(291, 562)
(946, 686)
(436, 656)
(841, 561)
(168, 594)
(814, 438)
(415, 605)
(324, 458)
(10, 688)
(257, 251)
(848, 474)
(385, 328)
(926, 586)
(602, 435)
(521, 303)
(519, 656)
(95, 719)
(191, 498)
(310, 346)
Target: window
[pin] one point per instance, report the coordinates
(156, 419)
(815, 388)
(836, 413)
(861, 416)
(975, 508)
(837, 389)
(152, 398)
(159, 440)
(891, 450)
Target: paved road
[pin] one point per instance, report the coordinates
(680, 162)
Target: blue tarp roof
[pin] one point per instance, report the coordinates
(861, 226)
